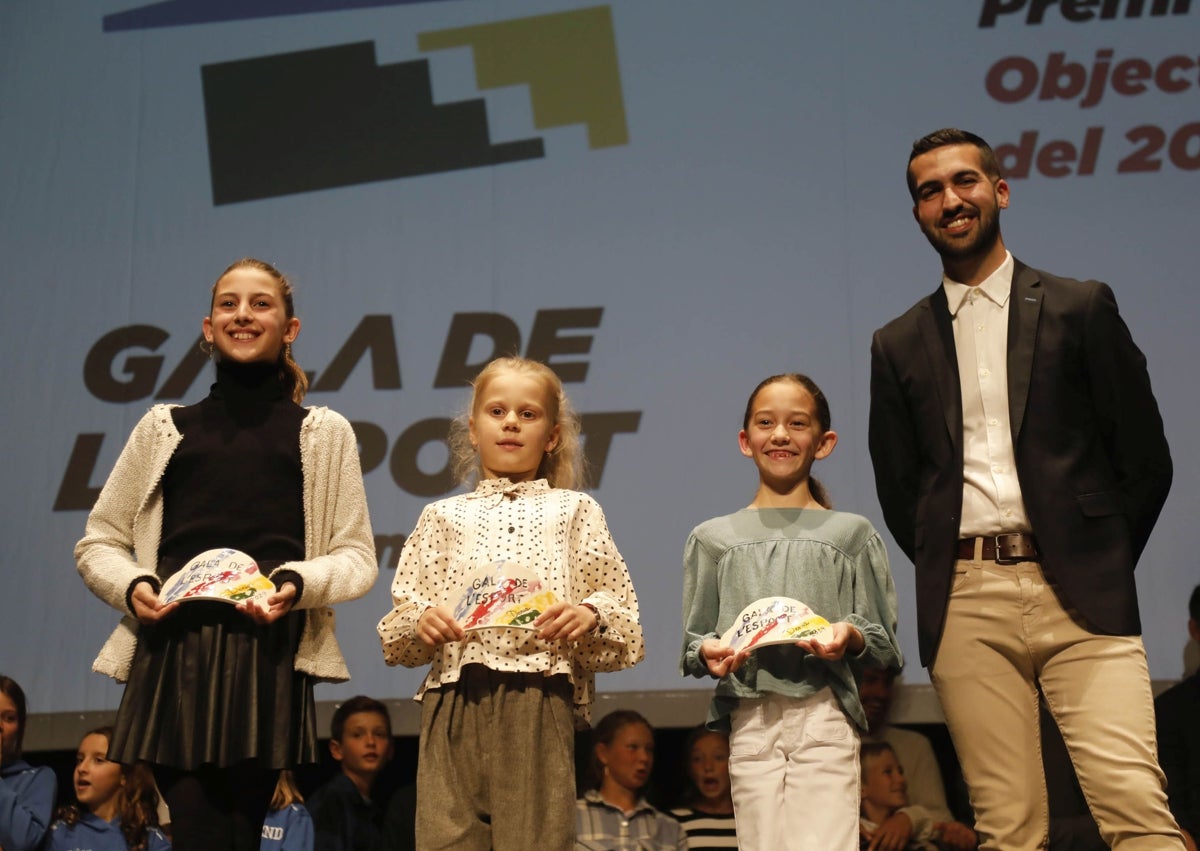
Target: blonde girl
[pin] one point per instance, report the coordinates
(500, 705)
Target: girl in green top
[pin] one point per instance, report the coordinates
(792, 710)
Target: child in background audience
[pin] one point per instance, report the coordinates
(926, 791)
(288, 826)
(400, 820)
(708, 817)
(26, 793)
(344, 816)
(498, 708)
(794, 710)
(612, 815)
(116, 805)
(884, 791)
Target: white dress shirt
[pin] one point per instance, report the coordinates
(992, 501)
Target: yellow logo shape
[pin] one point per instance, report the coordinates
(568, 59)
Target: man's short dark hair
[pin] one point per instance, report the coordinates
(358, 703)
(952, 136)
(1194, 604)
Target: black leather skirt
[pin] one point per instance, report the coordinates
(209, 686)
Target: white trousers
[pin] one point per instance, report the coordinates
(793, 769)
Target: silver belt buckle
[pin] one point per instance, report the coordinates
(1013, 548)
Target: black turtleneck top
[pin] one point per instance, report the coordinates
(236, 479)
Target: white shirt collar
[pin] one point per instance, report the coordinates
(996, 287)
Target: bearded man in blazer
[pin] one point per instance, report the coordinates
(1021, 464)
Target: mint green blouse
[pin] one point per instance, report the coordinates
(833, 561)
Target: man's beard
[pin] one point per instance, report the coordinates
(984, 240)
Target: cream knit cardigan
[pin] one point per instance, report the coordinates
(120, 542)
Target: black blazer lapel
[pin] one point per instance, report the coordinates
(938, 336)
(1025, 306)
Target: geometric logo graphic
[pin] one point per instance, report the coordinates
(332, 116)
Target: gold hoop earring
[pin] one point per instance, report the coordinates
(206, 348)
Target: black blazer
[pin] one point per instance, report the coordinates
(1092, 458)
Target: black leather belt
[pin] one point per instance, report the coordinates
(1008, 548)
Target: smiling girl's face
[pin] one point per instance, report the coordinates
(783, 434)
(249, 321)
